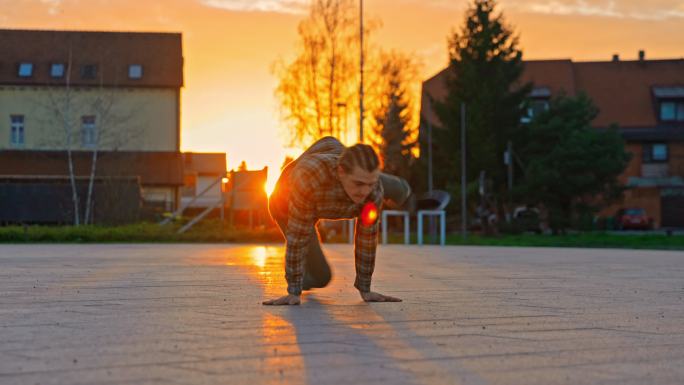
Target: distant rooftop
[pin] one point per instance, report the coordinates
(622, 90)
(127, 59)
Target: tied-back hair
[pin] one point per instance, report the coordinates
(361, 155)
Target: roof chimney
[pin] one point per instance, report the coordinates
(616, 58)
(642, 55)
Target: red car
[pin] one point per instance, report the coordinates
(633, 218)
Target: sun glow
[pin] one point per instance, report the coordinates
(273, 175)
(259, 256)
(269, 186)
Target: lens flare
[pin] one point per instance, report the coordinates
(369, 214)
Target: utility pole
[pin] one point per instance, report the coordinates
(509, 163)
(429, 127)
(431, 222)
(508, 159)
(361, 69)
(464, 213)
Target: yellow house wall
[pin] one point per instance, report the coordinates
(127, 119)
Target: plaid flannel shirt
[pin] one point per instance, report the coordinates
(308, 190)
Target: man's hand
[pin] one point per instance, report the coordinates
(372, 296)
(289, 299)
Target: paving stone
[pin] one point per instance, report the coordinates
(192, 314)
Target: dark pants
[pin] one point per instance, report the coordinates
(317, 270)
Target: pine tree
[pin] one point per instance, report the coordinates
(393, 118)
(484, 73)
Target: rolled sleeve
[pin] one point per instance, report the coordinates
(300, 229)
(365, 246)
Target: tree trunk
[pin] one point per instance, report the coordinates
(331, 91)
(87, 219)
(67, 127)
(72, 179)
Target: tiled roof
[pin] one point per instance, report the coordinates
(622, 90)
(159, 54)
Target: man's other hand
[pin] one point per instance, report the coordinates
(372, 296)
(289, 299)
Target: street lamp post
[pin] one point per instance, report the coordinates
(429, 138)
(464, 212)
(361, 72)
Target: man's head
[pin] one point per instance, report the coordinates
(359, 171)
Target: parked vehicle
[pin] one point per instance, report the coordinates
(527, 218)
(633, 218)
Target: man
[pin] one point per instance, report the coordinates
(330, 181)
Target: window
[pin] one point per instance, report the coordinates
(538, 106)
(57, 70)
(89, 71)
(534, 108)
(635, 212)
(655, 153)
(17, 130)
(135, 71)
(88, 131)
(25, 70)
(672, 110)
(659, 152)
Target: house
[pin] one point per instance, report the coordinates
(111, 99)
(645, 98)
(204, 176)
(23, 171)
(209, 187)
(246, 197)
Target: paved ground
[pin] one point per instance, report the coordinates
(191, 314)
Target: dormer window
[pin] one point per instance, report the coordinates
(25, 70)
(57, 70)
(135, 71)
(670, 103)
(538, 102)
(672, 110)
(89, 71)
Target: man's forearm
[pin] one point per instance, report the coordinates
(364, 255)
(362, 285)
(365, 265)
(300, 229)
(294, 270)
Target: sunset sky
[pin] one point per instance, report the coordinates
(230, 46)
